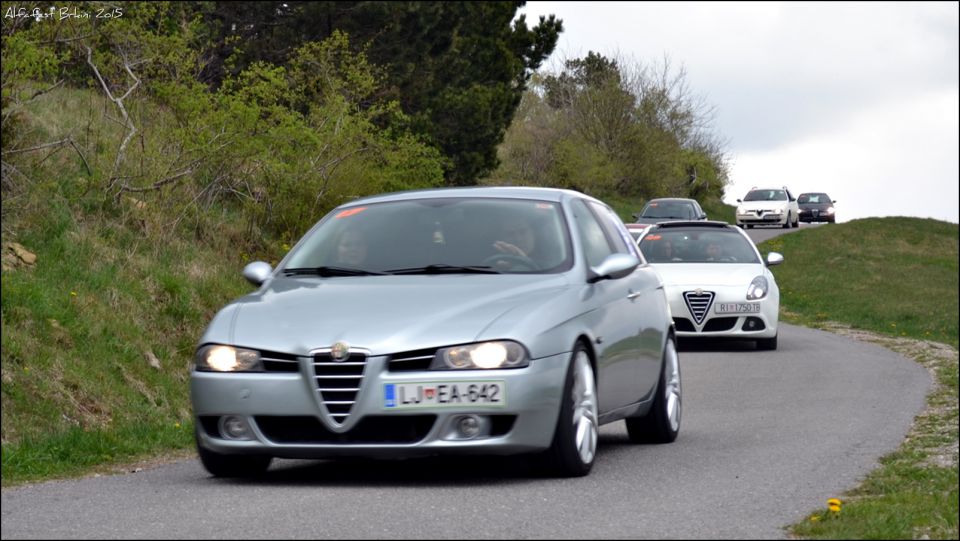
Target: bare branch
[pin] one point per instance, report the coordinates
(132, 129)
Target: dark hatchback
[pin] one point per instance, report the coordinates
(667, 209)
(816, 207)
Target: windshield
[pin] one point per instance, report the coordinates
(660, 209)
(440, 235)
(813, 198)
(766, 195)
(697, 246)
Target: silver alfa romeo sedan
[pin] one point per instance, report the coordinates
(499, 321)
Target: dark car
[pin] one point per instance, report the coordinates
(667, 209)
(816, 207)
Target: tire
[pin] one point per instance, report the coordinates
(788, 223)
(767, 344)
(220, 465)
(574, 446)
(661, 424)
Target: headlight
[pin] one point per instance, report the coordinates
(500, 354)
(218, 358)
(830, 210)
(757, 289)
(739, 210)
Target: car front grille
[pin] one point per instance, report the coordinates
(683, 324)
(698, 302)
(411, 360)
(399, 429)
(339, 382)
(279, 362)
(720, 324)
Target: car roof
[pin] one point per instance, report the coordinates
(705, 224)
(507, 192)
(676, 199)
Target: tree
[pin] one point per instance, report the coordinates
(457, 69)
(612, 127)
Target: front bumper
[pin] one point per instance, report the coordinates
(286, 416)
(761, 218)
(815, 216)
(748, 326)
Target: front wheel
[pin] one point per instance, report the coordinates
(662, 423)
(220, 465)
(574, 446)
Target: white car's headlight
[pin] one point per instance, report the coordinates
(757, 289)
(219, 358)
(499, 354)
(739, 210)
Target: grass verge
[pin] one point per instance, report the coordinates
(890, 281)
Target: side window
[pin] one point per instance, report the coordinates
(596, 246)
(615, 230)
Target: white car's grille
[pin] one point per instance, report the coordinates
(339, 382)
(698, 302)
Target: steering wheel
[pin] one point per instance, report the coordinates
(524, 262)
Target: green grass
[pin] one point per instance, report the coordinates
(898, 279)
(896, 276)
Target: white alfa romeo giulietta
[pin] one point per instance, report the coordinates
(717, 283)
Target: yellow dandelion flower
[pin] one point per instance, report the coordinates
(834, 505)
(73, 293)
(176, 425)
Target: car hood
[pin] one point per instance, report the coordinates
(384, 314)
(707, 274)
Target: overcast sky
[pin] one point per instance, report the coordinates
(859, 99)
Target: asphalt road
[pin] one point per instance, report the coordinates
(767, 437)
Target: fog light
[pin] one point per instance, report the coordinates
(468, 426)
(233, 427)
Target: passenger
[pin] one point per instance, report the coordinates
(713, 252)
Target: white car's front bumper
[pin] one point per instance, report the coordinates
(691, 319)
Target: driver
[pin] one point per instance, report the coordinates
(518, 239)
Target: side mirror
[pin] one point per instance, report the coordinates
(834, 201)
(615, 266)
(636, 216)
(739, 201)
(774, 258)
(257, 272)
(703, 216)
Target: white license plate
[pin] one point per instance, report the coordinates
(737, 308)
(435, 394)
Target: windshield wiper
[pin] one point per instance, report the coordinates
(446, 269)
(330, 271)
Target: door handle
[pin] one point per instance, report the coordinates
(633, 295)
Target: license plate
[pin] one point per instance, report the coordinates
(445, 394)
(737, 308)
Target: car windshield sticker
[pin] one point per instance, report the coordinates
(350, 212)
